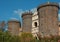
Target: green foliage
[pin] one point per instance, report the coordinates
(26, 37)
(7, 37)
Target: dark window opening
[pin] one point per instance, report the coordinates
(35, 24)
(36, 37)
(59, 25)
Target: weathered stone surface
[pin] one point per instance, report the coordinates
(13, 27)
(48, 19)
(27, 22)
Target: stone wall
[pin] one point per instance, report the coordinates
(13, 27)
(48, 19)
(27, 22)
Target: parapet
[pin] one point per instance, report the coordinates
(26, 13)
(48, 4)
(14, 21)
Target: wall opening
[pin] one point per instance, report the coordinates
(59, 25)
(35, 24)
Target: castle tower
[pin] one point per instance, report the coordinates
(27, 22)
(48, 18)
(14, 26)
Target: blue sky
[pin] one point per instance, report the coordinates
(11, 9)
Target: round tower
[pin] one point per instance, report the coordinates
(27, 22)
(14, 26)
(48, 18)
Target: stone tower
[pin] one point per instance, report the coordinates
(14, 26)
(27, 22)
(48, 18)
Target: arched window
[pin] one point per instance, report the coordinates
(35, 24)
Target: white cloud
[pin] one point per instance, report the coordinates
(59, 16)
(13, 18)
(34, 10)
(59, 4)
(20, 11)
